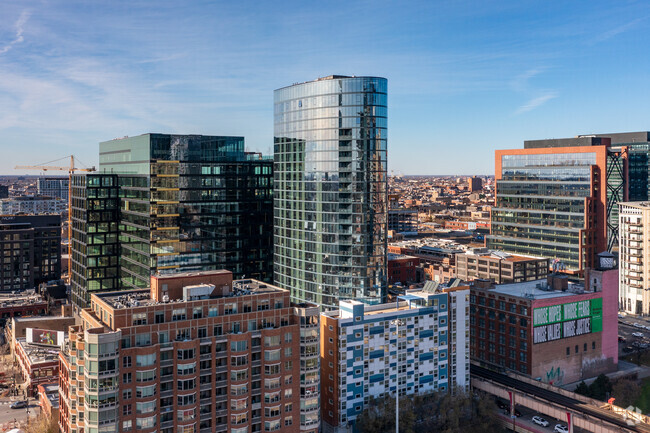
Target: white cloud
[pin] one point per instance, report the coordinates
(536, 102)
(19, 25)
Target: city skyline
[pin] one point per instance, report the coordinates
(75, 76)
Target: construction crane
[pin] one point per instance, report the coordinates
(71, 169)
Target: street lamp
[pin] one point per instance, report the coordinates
(397, 323)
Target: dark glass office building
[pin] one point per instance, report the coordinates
(95, 236)
(191, 203)
(30, 249)
(330, 192)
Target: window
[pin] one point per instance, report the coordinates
(145, 360)
(197, 313)
(145, 391)
(126, 409)
(126, 394)
(145, 423)
(145, 407)
(178, 314)
(272, 341)
(126, 378)
(593, 345)
(139, 319)
(142, 340)
(238, 346)
(159, 317)
(568, 351)
(184, 400)
(272, 355)
(127, 425)
(185, 354)
(126, 361)
(288, 337)
(145, 376)
(185, 369)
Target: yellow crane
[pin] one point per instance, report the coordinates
(71, 169)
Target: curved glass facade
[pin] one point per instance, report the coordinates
(330, 190)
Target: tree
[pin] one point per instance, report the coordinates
(600, 388)
(440, 412)
(42, 424)
(582, 389)
(626, 392)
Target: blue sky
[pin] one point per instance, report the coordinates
(465, 77)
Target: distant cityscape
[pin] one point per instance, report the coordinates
(189, 285)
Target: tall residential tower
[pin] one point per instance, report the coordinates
(190, 203)
(330, 190)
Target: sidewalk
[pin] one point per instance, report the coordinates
(624, 369)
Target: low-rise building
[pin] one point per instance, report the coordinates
(234, 357)
(401, 268)
(501, 268)
(419, 344)
(48, 400)
(553, 330)
(38, 357)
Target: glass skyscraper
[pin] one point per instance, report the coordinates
(191, 203)
(550, 202)
(331, 190)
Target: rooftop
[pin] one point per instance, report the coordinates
(537, 289)
(39, 353)
(484, 252)
(142, 298)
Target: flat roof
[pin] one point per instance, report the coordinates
(39, 353)
(142, 298)
(534, 290)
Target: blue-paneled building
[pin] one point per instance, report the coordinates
(418, 345)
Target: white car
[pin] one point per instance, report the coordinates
(561, 428)
(540, 421)
(637, 325)
(637, 334)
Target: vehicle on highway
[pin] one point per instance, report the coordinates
(18, 404)
(637, 334)
(501, 404)
(628, 349)
(540, 421)
(561, 428)
(638, 325)
(622, 339)
(507, 412)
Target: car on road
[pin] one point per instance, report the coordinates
(18, 404)
(637, 334)
(628, 349)
(622, 339)
(501, 404)
(561, 428)
(540, 421)
(638, 325)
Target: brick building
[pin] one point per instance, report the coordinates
(553, 330)
(501, 268)
(401, 268)
(195, 353)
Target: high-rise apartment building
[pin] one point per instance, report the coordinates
(95, 236)
(30, 248)
(191, 203)
(420, 345)
(330, 190)
(55, 187)
(634, 261)
(551, 201)
(197, 353)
